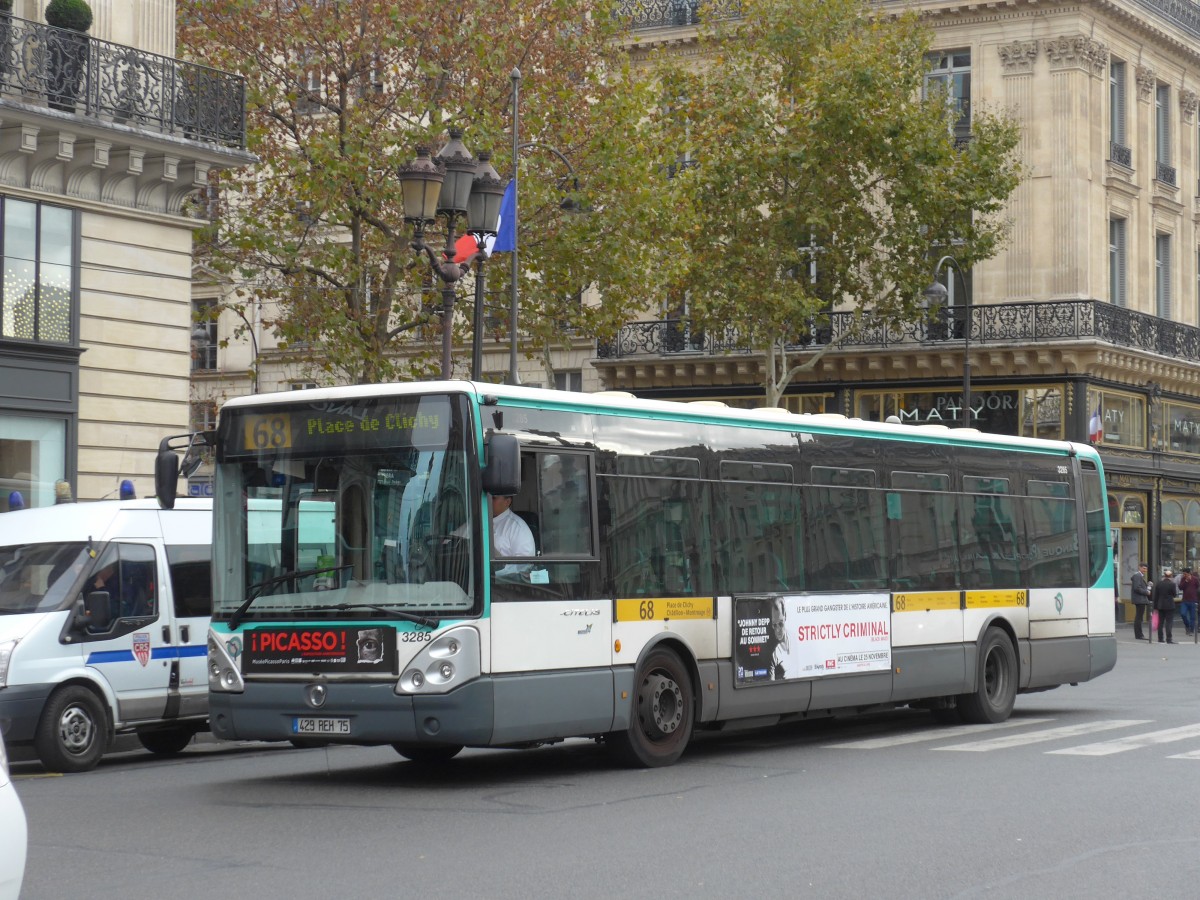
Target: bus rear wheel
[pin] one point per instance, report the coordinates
(432, 753)
(166, 741)
(663, 714)
(995, 682)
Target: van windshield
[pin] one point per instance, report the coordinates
(40, 577)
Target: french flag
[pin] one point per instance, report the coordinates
(505, 238)
(1096, 427)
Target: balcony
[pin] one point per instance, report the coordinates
(1006, 324)
(112, 83)
(643, 14)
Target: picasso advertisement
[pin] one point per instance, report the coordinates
(806, 636)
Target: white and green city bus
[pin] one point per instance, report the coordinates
(696, 566)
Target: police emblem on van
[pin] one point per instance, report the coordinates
(141, 647)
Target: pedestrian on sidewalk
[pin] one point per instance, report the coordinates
(1141, 599)
(1163, 598)
(1189, 592)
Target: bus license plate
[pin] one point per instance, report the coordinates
(309, 725)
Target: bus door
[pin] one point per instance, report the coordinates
(547, 610)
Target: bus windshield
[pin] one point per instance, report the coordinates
(40, 577)
(359, 505)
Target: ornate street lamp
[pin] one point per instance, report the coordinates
(444, 187)
(936, 295)
(483, 214)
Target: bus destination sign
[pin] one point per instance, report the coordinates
(340, 427)
(321, 649)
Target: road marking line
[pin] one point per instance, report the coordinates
(1136, 742)
(931, 734)
(1195, 754)
(1050, 734)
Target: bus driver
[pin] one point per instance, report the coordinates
(511, 536)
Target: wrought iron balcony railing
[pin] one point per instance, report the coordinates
(75, 73)
(1120, 154)
(1004, 323)
(667, 13)
(1165, 174)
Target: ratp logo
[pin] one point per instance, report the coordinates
(1058, 602)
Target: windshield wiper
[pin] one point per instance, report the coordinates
(256, 590)
(398, 613)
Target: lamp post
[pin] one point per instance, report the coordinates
(443, 187)
(936, 295)
(486, 193)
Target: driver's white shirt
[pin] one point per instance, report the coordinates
(511, 535)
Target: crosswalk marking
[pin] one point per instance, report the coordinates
(931, 734)
(1195, 754)
(1136, 742)
(1050, 734)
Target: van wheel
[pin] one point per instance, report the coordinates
(73, 732)
(166, 741)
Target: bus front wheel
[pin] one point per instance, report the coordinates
(663, 714)
(428, 753)
(995, 682)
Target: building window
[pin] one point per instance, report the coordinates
(1164, 171)
(569, 381)
(203, 415)
(1162, 276)
(1016, 410)
(1122, 417)
(32, 458)
(39, 271)
(303, 385)
(1180, 532)
(311, 87)
(1116, 262)
(204, 334)
(1180, 422)
(950, 73)
(1118, 143)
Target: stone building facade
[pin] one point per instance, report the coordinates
(1085, 326)
(98, 171)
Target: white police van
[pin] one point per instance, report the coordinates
(104, 611)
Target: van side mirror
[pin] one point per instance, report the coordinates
(503, 473)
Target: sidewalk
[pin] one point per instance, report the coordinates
(1125, 634)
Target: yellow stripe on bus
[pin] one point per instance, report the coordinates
(992, 599)
(659, 609)
(923, 601)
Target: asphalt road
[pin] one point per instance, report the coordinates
(1088, 792)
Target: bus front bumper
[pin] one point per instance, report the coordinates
(374, 713)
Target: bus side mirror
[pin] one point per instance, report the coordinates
(166, 475)
(167, 466)
(503, 473)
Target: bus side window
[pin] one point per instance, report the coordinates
(566, 516)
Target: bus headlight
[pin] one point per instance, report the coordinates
(450, 660)
(224, 676)
(6, 652)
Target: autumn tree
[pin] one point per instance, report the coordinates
(826, 176)
(340, 93)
